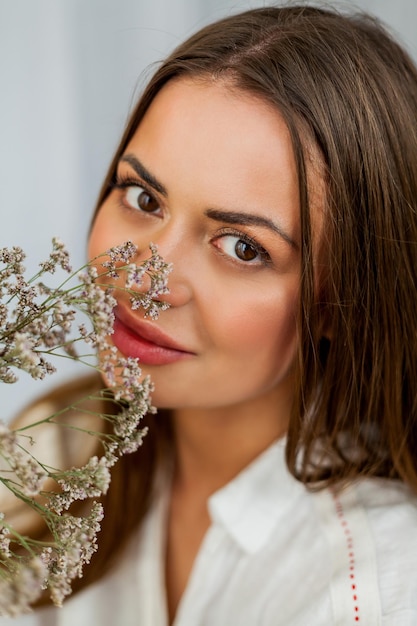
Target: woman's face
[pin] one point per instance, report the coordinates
(210, 177)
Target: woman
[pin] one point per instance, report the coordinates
(272, 159)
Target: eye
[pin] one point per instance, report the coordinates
(242, 248)
(137, 197)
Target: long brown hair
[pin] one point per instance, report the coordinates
(342, 84)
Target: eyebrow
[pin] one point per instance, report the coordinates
(145, 175)
(248, 219)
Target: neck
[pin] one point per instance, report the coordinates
(214, 445)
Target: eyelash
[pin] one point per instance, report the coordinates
(121, 181)
(124, 182)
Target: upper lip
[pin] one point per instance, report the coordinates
(146, 331)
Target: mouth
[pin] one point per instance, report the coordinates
(140, 340)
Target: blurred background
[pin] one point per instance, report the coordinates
(70, 71)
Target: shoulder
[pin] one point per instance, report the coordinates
(391, 512)
(371, 526)
(58, 431)
(59, 421)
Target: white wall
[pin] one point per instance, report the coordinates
(69, 71)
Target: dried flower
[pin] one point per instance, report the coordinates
(37, 324)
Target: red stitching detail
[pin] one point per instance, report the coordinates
(351, 554)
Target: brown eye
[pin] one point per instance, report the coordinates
(138, 198)
(146, 202)
(244, 251)
(242, 248)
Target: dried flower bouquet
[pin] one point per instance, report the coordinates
(36, 324)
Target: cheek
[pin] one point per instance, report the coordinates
(264, 328)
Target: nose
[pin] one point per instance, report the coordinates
(168, 258)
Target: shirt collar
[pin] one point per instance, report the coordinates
(250, 506)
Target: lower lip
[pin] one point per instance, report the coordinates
(148, 353)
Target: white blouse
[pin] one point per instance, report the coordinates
(274, 555)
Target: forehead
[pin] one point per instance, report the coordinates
(214, 116)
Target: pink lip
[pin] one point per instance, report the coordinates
(144, 342)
